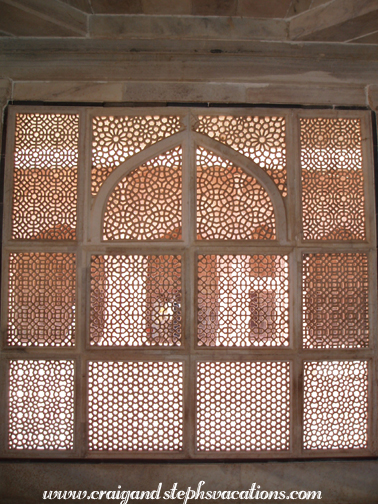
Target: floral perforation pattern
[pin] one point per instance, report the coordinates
(115, 139)
(41, 404)
(335, 405)
(231, 205)
(243, 300)
(135, 406)
(41, 310)
(136, 300)
(332, 179)
(260, 138)
(146, 204)
(243, 406)
(335, 301)
(45, 177)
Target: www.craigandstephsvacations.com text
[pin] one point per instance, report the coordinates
(175, 494)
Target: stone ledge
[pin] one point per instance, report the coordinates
(341, 482)
(186, 27)
(188, 92)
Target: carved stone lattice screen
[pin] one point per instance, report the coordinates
(188, 283)
(243, 406)
(45, 176)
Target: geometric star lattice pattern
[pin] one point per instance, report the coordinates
(231, 205)
(243, 406)
(115, 139)
(243, 300)
(45, 177)
(41, 309)
(135, 406)
(335, 404)
(332, 179)
(41, 404)
(146, 203)
(335, 301)
(261, 139)
(136, 300)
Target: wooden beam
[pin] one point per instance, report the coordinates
(327, 15)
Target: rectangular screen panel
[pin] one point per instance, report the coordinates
(335, 405)
(135, 406)
(243, 406)
(41, 404)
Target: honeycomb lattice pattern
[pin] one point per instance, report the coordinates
(243, 300)
(41, 405)
(41, 299)
(231, 205)
(146, 204)
(136, 300)
(335, 301)
(243, 406)
(45, 177)
(135, 406)
(117, 138)
(335, 404)
(260, 138)
(332, 179)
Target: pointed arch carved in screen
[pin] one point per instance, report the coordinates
(247, 165)
(100, 203)
(254, 170)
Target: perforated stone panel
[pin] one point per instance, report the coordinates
(335, 301)
(243, 300)
(135, 406)
(146, 204)
(41, 404)
(115, 139)
(332, 179)
(335, 404)
(260, 138)
(41, 307)
(243, 406)
(45, 177)
(231, 205)
(136, 300)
